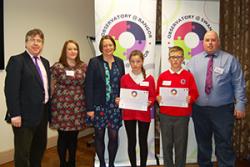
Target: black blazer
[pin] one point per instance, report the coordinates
(95, 88)
(24, 90)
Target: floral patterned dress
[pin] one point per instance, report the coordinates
(109, 115)
(68, 100)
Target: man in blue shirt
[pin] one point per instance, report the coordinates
(222, 97)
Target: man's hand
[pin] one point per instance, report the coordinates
(239, 114)
(16, 121)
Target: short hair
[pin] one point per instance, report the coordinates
(34, 32)
(63, 57)
(106, 37)
(176, 49)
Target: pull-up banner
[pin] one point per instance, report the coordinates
(184, 24)
(132, 25)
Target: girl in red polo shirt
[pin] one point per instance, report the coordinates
(138, 79)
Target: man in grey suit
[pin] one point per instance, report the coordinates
(27, 96)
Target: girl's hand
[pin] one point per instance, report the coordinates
(149, 103)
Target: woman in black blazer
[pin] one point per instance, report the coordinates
(102, 87)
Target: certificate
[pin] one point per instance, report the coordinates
(133, 99)
(176, 97)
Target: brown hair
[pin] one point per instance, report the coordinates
(176, 49)
(138, 53)
(63, 57)
(34, 32)
(106, 37)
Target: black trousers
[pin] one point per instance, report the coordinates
(67, 142)
(143, 127)
(30, 143)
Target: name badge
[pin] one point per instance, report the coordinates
(145, 83)
(218, 70)
(70, 73)
(166, 83)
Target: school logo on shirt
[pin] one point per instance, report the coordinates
(183, 81)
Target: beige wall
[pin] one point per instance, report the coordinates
(60, 20)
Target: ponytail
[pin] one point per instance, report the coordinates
(143, 72)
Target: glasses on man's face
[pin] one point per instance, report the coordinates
(176, 57)
(33, 40)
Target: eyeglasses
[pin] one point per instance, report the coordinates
(176, 57)
(39, 41)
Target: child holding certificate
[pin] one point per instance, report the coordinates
(138, 80)
(174, 117)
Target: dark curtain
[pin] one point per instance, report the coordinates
(235, 38)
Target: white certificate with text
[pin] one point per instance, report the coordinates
(175, 97)
(133, 99)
